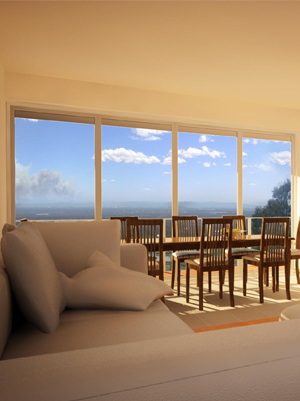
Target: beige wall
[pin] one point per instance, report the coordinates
(124, 100)
(2, 150)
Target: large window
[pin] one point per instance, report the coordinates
(207, 180)
(136, 172)
(72, 167)
(54, 169)
(266, 179)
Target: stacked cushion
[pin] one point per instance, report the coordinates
(33, 276)
(105, 285)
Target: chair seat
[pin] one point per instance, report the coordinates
(196, 262)
(256, 258)
(295, 252)
(180, 254)
(242, 251)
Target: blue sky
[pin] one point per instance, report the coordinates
(55, 163)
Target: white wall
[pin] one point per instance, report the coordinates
(2, 150)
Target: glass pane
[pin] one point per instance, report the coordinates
(55, 174)
(266, 180)
(136, 175)
(136, 172)
(207, 166)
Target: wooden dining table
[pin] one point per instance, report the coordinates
(181, 244)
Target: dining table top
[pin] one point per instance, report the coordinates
(184, 243)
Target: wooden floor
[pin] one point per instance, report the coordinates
(217, 312)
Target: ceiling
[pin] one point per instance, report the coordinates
(230, 50)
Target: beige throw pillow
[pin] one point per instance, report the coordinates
(33, 275)
(104, 285)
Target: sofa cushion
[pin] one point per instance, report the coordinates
(104, 285)
(71, 243)
(5, 305)
(33, 275)
(258, 362)
(96, 329)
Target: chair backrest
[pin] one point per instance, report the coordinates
(123, 220)
(274, 240)
(238, 221)
(148, 232)
(216, 237)
(185, 226)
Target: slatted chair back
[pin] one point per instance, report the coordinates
(216, 238)
(123, 220)
(274, 241)
(185, 226)
(238, 222)
(148, 232)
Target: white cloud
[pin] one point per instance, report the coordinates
(112, 180)
(104, 180)
(227, 164)
(168, 160)
(206, 164)
(214, 164)
(145, 134)
(127, 156)
(245, 165)
(146, 189)
(281, 158)
(252, 184)
(204, 151)
(245, 154)
(166, 173)
(33, 120)
(251, 141)
(46, 183)
(263, 167)
(205, 138)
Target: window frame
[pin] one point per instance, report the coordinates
(135, 120)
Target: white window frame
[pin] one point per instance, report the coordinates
(134, 120)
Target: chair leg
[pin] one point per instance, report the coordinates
(209, 281)
(173, 273)
(187, 283)
(178, 277)
(266, 276)
(200, 274)
(231, 285)
(273, 278)
(297, 270)
(245, 277)
(261, 284)
(221, 284)
(223, 276)
(287, 280)
(277, 278)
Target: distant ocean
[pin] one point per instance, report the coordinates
(71, 212)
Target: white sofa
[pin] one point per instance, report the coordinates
(149, 355)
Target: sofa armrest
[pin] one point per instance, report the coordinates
(134, 257)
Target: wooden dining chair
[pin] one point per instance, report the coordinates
(295, 253)
(239, 223)
(123, 220)
(216, 237)
(274, 252)
(184, 227)
(148, 232)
